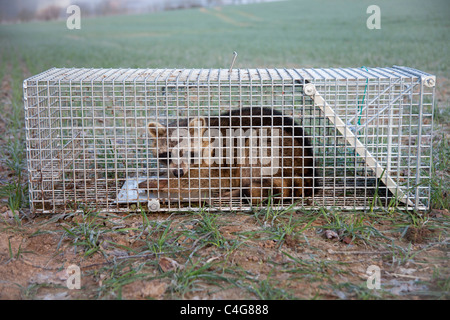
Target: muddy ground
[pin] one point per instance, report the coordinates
(298, 255)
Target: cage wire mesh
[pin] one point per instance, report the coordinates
(122, 139)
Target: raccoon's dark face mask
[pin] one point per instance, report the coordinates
(164, 159)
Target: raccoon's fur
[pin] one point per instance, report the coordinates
(219, 154)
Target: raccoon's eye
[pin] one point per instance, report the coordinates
(164, 156)
(194, 157)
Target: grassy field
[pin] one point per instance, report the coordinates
(262, 255)
(285, 34)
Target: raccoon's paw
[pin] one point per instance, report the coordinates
(230, 194)
(158, 184)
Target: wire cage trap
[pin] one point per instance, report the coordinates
(179, 139)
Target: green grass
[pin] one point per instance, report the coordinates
(189, 278)
(292, 33)
(90, 233)
(440, 182)
(161, 236)
(207, 229)
(269, 290)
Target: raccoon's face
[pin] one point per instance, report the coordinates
(181, 148)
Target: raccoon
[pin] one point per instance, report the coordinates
(249, 153)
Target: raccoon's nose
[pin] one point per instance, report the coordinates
(178, 173)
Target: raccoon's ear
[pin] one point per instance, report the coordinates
(156, 129)
(197, 126)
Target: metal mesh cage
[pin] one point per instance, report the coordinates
(119, 139)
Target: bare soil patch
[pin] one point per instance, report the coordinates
(176, 259)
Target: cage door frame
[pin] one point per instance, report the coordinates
(319, 101)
